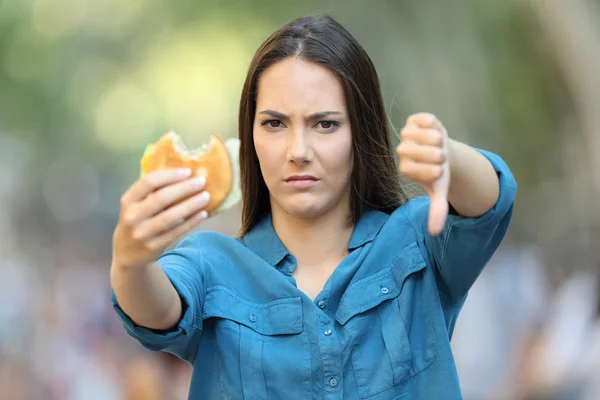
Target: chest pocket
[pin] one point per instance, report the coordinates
(263, 343)
(387, 315)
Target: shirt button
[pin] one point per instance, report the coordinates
(327, 332)
(333, 382)
(252, 318)
(385, 290)
(321, 304)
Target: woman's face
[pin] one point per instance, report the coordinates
(302, 138)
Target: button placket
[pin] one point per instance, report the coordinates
(331, 360)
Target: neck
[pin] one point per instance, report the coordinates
(314, 241)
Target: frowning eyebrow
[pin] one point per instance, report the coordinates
(312, 117)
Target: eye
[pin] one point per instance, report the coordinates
(272, 124)
(328, 126)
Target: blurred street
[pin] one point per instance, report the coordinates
(84, 85)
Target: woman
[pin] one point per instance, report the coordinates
(338, 286)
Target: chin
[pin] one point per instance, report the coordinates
(305, 211)
(304, 208)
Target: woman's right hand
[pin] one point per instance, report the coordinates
(161, 207)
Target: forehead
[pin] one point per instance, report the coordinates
(297, 86)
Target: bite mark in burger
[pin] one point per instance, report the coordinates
(217, 161)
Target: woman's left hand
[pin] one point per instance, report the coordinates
(424, 158)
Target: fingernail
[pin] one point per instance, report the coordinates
(199, 181)
(203, 198)
(184, 172)
(203, 214)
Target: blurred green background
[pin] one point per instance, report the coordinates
(84, 85)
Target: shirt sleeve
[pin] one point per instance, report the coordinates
(182, 266)
(466, 245)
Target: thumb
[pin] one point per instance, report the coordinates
(438, 208)
(438, 213)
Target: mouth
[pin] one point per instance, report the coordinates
(300, 182)
(296, 178)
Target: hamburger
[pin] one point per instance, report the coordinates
(217, 161)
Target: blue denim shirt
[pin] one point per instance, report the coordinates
(380, 329)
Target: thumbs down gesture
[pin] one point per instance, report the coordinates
(424, 158)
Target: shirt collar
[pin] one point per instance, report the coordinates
(263, 240)
(367, 227)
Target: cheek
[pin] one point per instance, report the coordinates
(267, 157)
(342, 158)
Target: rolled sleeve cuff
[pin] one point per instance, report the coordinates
(159, 340)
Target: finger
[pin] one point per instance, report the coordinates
(161, 199)
(438, 213)
(152, 181)
(420, 172)
(178, 232)
(421, 153)
(424, 120)
(171, 217)
(429, 137)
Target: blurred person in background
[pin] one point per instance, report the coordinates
(144, 379)
(561, 358)
(506, 307)
(338, 285)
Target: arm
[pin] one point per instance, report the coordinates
(160, 304)
(467, 242)
(146, 295)
(480, 188)
(474, 186)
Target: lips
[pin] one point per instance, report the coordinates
(301, 178)
(301, 182)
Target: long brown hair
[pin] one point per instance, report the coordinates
(375, 178)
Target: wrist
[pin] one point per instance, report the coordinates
(122, 266)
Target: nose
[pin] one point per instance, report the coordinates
(299, 148)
